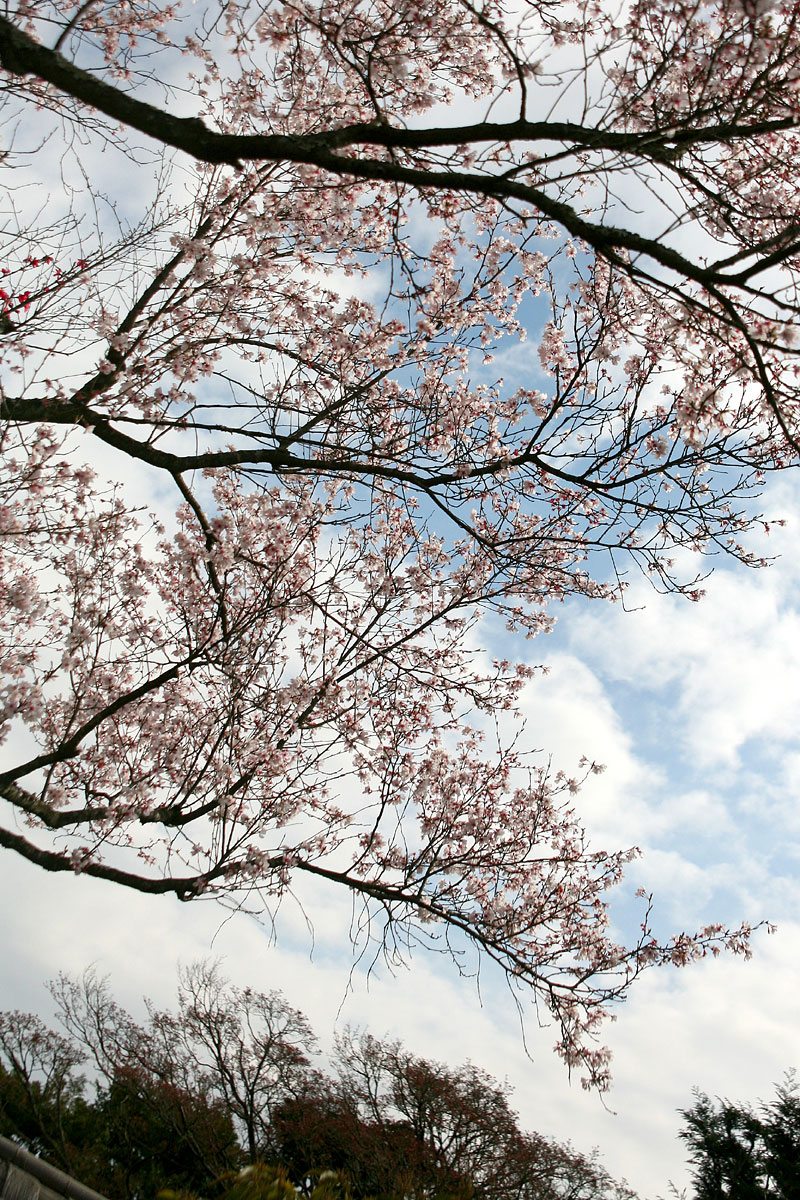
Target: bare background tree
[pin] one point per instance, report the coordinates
(388, 1123)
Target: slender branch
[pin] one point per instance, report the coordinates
(71, 745)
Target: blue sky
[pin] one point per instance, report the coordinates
(693, 707)
(694, 710)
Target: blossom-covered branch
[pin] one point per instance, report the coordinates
(309, 340)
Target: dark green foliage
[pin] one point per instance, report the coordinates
(725, 1150)
(42, 1103)
(138, 1134)
(122, 1144)
(781, 1134)
(739, 1153)
(156, 1136)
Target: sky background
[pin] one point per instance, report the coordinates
(693, 707)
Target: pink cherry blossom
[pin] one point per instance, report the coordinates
(310, 335)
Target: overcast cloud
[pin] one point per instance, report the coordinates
(694, 710)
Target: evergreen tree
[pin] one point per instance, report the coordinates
(740, 1154)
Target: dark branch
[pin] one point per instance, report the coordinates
(21, 54)
(184, 888)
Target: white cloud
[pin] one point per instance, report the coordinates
(728, 1027)
(674, 699)
(727, 669)
(568, 715)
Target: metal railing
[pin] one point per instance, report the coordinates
(48, 1177)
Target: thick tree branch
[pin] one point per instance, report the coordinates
(21, 54)
(185, 887)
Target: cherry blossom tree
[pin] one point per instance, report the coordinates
(350, 216)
